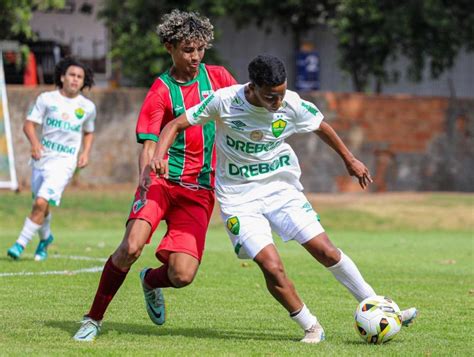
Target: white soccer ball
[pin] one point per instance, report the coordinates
(378, 319)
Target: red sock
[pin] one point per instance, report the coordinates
(158, 278)
(110, 281)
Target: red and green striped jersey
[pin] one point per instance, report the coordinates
(192, 157)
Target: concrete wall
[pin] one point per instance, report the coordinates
(409, 143)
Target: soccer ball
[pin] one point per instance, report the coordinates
(378, 319)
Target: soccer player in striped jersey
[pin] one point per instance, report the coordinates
(186, 199)
(258, 185)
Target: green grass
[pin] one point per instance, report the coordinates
(227, 310)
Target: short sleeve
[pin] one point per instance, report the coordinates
(309, 117)
(89, 124)
(205, 111)
(151, 117)
(38, 110)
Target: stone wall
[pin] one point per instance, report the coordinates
(409, 143)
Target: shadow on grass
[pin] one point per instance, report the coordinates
(147, 330)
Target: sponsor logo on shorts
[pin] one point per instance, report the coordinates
(278, 126)
(233, 225)
(138, 205)
(79, 112)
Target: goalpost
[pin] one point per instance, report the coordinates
(8, 177)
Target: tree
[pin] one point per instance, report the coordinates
(135, 47)
(16, 16)
(372, 32)
(297, 16)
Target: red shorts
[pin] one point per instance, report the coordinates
(186, 211)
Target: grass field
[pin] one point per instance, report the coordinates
(416, 248)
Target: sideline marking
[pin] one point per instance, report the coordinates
(61, 272)
(55, 272)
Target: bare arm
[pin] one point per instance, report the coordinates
(86, 150)
(146, 154)
(29, 128)
(354, 166)
(168, 135)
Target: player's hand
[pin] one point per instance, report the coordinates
(83, 161)
(358, 169)
(36, 151)
(160, 167)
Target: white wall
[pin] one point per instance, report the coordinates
(86, 36)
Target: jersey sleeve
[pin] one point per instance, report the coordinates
(38, 110)
(89, 124)
(150, 118)
(309, 117)
(205, 111)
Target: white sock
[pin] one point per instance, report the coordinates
(29, 230)
(45, 230)
(347, 274)
(304, 318)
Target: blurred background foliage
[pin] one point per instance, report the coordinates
(371, 34)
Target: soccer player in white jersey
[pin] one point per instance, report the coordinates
(67, 119)
(258, 185)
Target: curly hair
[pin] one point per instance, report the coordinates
(64, 64)
(267, 70)
(178, 25)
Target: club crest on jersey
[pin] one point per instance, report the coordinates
(206, 93)
(138, 205)
(233, 225)
(278, 126)
(256, 135)
(79, 113)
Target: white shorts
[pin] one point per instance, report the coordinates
(287, 213)
(49, 180)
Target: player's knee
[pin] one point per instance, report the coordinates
(180, 279)
(330, 256)
(127, 254)
(274, 269)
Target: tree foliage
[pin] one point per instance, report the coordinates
(16, 16)
(135, 46)
(370, 33)
(429, 33)
(297, 16)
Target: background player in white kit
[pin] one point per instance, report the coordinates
(258, 184)
(67, 119)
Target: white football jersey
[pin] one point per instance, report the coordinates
(253, 158)
(63, 121)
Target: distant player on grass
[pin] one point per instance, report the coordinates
(67, 119)
(258, 185)
(185, 200)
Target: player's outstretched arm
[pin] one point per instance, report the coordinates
(354, 166)
(158, 164)
(29, 128)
